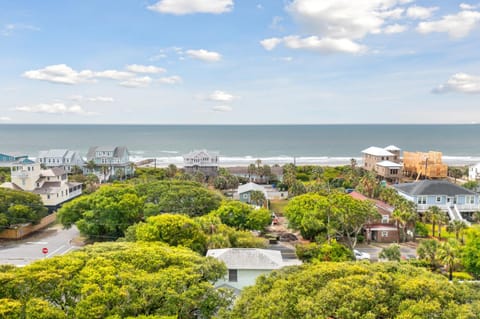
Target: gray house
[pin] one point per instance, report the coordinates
(109, 162)
(246, 264)
(63, 158)
(201, 161)
(458, 202)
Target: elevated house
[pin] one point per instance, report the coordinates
(246, 264)
(6, 160)
(62, 158)
(244, 191)
(51, 184)
(109, 162)
(474, 172)
(384, 229)
(201, 161)
(385, 162)
(458, 202)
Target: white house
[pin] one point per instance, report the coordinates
(385, 162)
(109, 161)
(246, 264)
(244, 191)
(474, 172)
(63, 158)
(201, 161)
(51, 184)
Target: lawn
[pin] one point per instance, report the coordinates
(278, 206)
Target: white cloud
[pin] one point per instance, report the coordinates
(457, 25)
(5, 118)
(460, 82)
(204, 55)
(137, 82)
(9, 29)
(174, 79)
(467, 6)
(276, 23)
(344, 18)
(136, 68)
(314, 43)
(80, 98)
(54, 108)
(221, 96)
(222, 108)
(181, 7)
(113, 75)
(395, 28)
(285, 59)
(59, 73)
(421, 13)
(270, 44)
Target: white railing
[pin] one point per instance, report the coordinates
(455, 208)
(425, 207)
(468, 207)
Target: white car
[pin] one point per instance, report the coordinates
(361, 255)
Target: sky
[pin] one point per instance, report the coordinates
(239, 61)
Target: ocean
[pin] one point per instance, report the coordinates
(243, 144)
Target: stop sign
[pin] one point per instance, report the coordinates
(45, 250)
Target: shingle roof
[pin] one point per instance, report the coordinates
(248, 258)
(53, 153)
(432, 187)
(118, 151)
(377, 151)
(54, 171)
(250, 187)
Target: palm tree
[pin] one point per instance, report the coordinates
(457, 227)
(442, 220)
(448, 253)
(432, 216)
(476, 216)
(91, 166)
(251, 169)
(428, 250)
(257, 197)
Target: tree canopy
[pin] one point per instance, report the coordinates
(115, 280)
(242, 216)
(18, 207)
(356, 290)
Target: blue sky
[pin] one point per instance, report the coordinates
(239, 62)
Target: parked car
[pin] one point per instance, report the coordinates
(361, 255)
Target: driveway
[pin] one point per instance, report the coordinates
(57, 240)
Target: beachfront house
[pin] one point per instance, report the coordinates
(62, 158)
(6, 160)
(109, 162)
(474, 172)
(384, 229)
(385, 162)
(458, 202)
(202, 161)
(246, 264)
(51, 184)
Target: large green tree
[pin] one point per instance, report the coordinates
(19, 207)
(356, 290)
(471, 252)
(115, 280)
(242, 216)
(105, 214)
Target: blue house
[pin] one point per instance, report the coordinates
(6, 160)
(458, 202)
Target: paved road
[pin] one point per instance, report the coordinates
(22, 252)
(406, 251)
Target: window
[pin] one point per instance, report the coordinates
(385, 219)
(232, 275)
(438, 199)
(384, 233)
(394, 171)
(421, 199)
(245, 195)
(469, 200)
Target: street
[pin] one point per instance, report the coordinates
(57, 240)
(407, 250)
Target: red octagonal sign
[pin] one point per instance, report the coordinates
(45, 250)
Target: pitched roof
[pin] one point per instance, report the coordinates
(392, 148)
(250, 187)
(54, 171)
(248, 258)
(377, 151)
(53, 153)
(432, 187)
(118, 151)
(199, 152)
(388, 164)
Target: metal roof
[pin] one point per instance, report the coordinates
(377, 151)
(388, 164)
(248, 258)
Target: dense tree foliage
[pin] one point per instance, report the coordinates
(184, 197)
(18, 207)
(391, 253)
(105, 214)
(356, 290)
(336, 214)
(115, 280)
(333, 251)
(5, 175)
(243, 216)
(471, 252)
